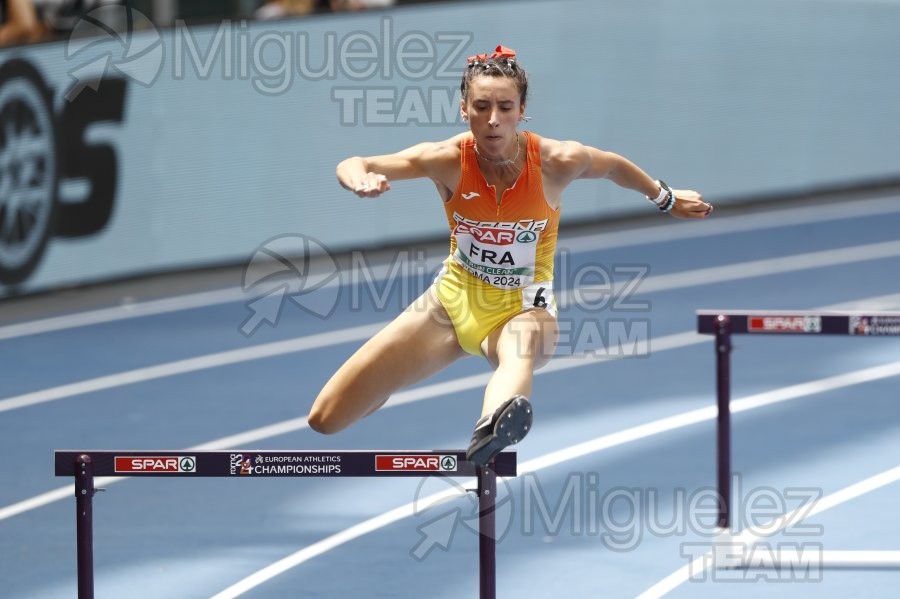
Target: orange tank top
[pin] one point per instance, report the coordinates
(509, 244)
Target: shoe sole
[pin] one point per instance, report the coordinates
(511, 427)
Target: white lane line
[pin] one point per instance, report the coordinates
(243, 439)
(684, 419)
(881, 303)
(403, 397)
(638, 236)
(149, 373)
(755, 534)
(768, 219)
(748, 270)
(202, 299)
(336, 540)
(123, 312)
(569, 453)
(681, 280)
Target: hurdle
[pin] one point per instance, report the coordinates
(84, 465)
(723, 324)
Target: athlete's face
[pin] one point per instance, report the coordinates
(493, 110)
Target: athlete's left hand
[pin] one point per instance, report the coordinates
(690, 204)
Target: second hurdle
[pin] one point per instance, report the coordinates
(723, 324)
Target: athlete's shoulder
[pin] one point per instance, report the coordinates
(563, 157)
(440, 161)
(444, 150)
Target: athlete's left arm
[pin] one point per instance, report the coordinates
(571, 160)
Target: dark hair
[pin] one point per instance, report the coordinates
(495, 67)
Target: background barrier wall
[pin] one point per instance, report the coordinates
(150, 151)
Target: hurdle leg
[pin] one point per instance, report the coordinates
(723, 419)
(487, 544)
(84, 524)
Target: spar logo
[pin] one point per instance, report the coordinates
(488, 235)
(148, 464)
(784, 324)
(415, 463)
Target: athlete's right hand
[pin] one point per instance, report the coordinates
(371, 185)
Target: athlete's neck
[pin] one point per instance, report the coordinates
(501, 162)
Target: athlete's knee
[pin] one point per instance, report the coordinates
(320, 423)
(324, 420)
(533, 338)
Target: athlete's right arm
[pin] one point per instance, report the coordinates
(369, 177)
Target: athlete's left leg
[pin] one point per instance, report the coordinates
(516, 350)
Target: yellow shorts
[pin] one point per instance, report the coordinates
(477, 308)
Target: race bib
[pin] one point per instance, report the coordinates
(500, 256)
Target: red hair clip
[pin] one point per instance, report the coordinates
(499, 52)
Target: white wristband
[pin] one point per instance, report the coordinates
(661, 198)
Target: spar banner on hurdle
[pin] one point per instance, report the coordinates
(800, 322)
(255, 463)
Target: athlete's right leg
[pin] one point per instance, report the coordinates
(418, 343)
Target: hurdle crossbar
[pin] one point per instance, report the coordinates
(725, 323)
(84, 465)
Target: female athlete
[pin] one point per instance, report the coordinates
(502, 192)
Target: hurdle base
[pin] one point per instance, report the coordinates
(792, 559)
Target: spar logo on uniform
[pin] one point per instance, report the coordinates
(415, 463)
(152, 464)
(784, 324)
(493, 236)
